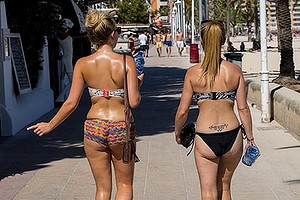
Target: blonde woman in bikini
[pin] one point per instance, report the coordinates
(215, 84)
(104, 128)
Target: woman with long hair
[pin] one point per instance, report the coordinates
(216, 85)
(104, 129)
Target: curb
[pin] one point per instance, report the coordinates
(284, 104)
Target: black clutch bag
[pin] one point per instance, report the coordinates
(187, 135)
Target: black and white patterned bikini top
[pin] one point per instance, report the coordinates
(215, 95)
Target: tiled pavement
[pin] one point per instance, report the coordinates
(55, 166)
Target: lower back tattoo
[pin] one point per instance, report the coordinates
(218, 127)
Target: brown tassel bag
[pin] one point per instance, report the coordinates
(129, 149)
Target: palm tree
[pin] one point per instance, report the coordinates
(188, 12)
(211, 9)
(287, 67)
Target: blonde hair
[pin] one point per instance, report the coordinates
(99, 26)
(213, 37)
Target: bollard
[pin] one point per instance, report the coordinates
(194, 53)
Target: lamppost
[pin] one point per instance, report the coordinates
(194, 51)
(174, 11)
(178, 15)
(183, 18)
(193, 21)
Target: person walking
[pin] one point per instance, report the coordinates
(179, 42)
(104, 128)
(65, 48)
(65, 42)
(158, 43)
(131, 41)
(169, 43)
(216, 85)
(148, 43)
(143, 42)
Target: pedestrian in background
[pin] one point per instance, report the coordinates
(131, 42)
(169, 42)
(65, 42)
(147, 44)
(143, 42)
(216, 85)
(104, 128)
(158, 43)
(230, 47)
(242, 46)
(179, 42)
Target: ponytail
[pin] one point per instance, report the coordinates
(213, 37)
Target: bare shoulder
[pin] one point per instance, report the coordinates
(193, 70)
(82, 61)
(231, 67)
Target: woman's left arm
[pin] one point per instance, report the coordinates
(68, 106)
(184, 105)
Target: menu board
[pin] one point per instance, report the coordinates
(19, 63)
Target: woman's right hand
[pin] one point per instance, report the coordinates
(177, 138)
(41, 128)
(140, 79)
(250, 143)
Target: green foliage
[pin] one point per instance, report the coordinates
(133, 11)
(164, 10)
(239, 12)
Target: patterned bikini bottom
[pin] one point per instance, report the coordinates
(106, 132)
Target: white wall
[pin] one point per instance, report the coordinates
(16, 112)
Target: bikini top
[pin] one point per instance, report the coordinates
(215, 95)
(106, 93)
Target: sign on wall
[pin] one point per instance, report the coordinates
(5, 44)
(19, 63)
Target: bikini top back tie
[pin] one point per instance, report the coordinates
(106, 93)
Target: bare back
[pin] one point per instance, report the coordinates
(214, 113)
(104, 70)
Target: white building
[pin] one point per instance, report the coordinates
(295, 16)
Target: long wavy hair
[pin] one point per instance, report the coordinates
(213, 37)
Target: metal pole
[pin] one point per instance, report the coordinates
(193, 23)
(206, 9)
(173, 24)
(178, 15)
(171, 17)
(265, 115)
(200, 21)
(200, 14)
(176, 19)
(228, 20)
(183, 19)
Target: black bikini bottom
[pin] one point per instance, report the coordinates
(220, 143)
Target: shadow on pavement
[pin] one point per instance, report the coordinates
(26, 152)
(160, 98)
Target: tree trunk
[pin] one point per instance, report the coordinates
(228, 21)
(287, 67)
(256, 20)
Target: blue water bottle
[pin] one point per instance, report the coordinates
(139, 62)
(250, 155)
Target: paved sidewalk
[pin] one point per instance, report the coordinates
(55, 166)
